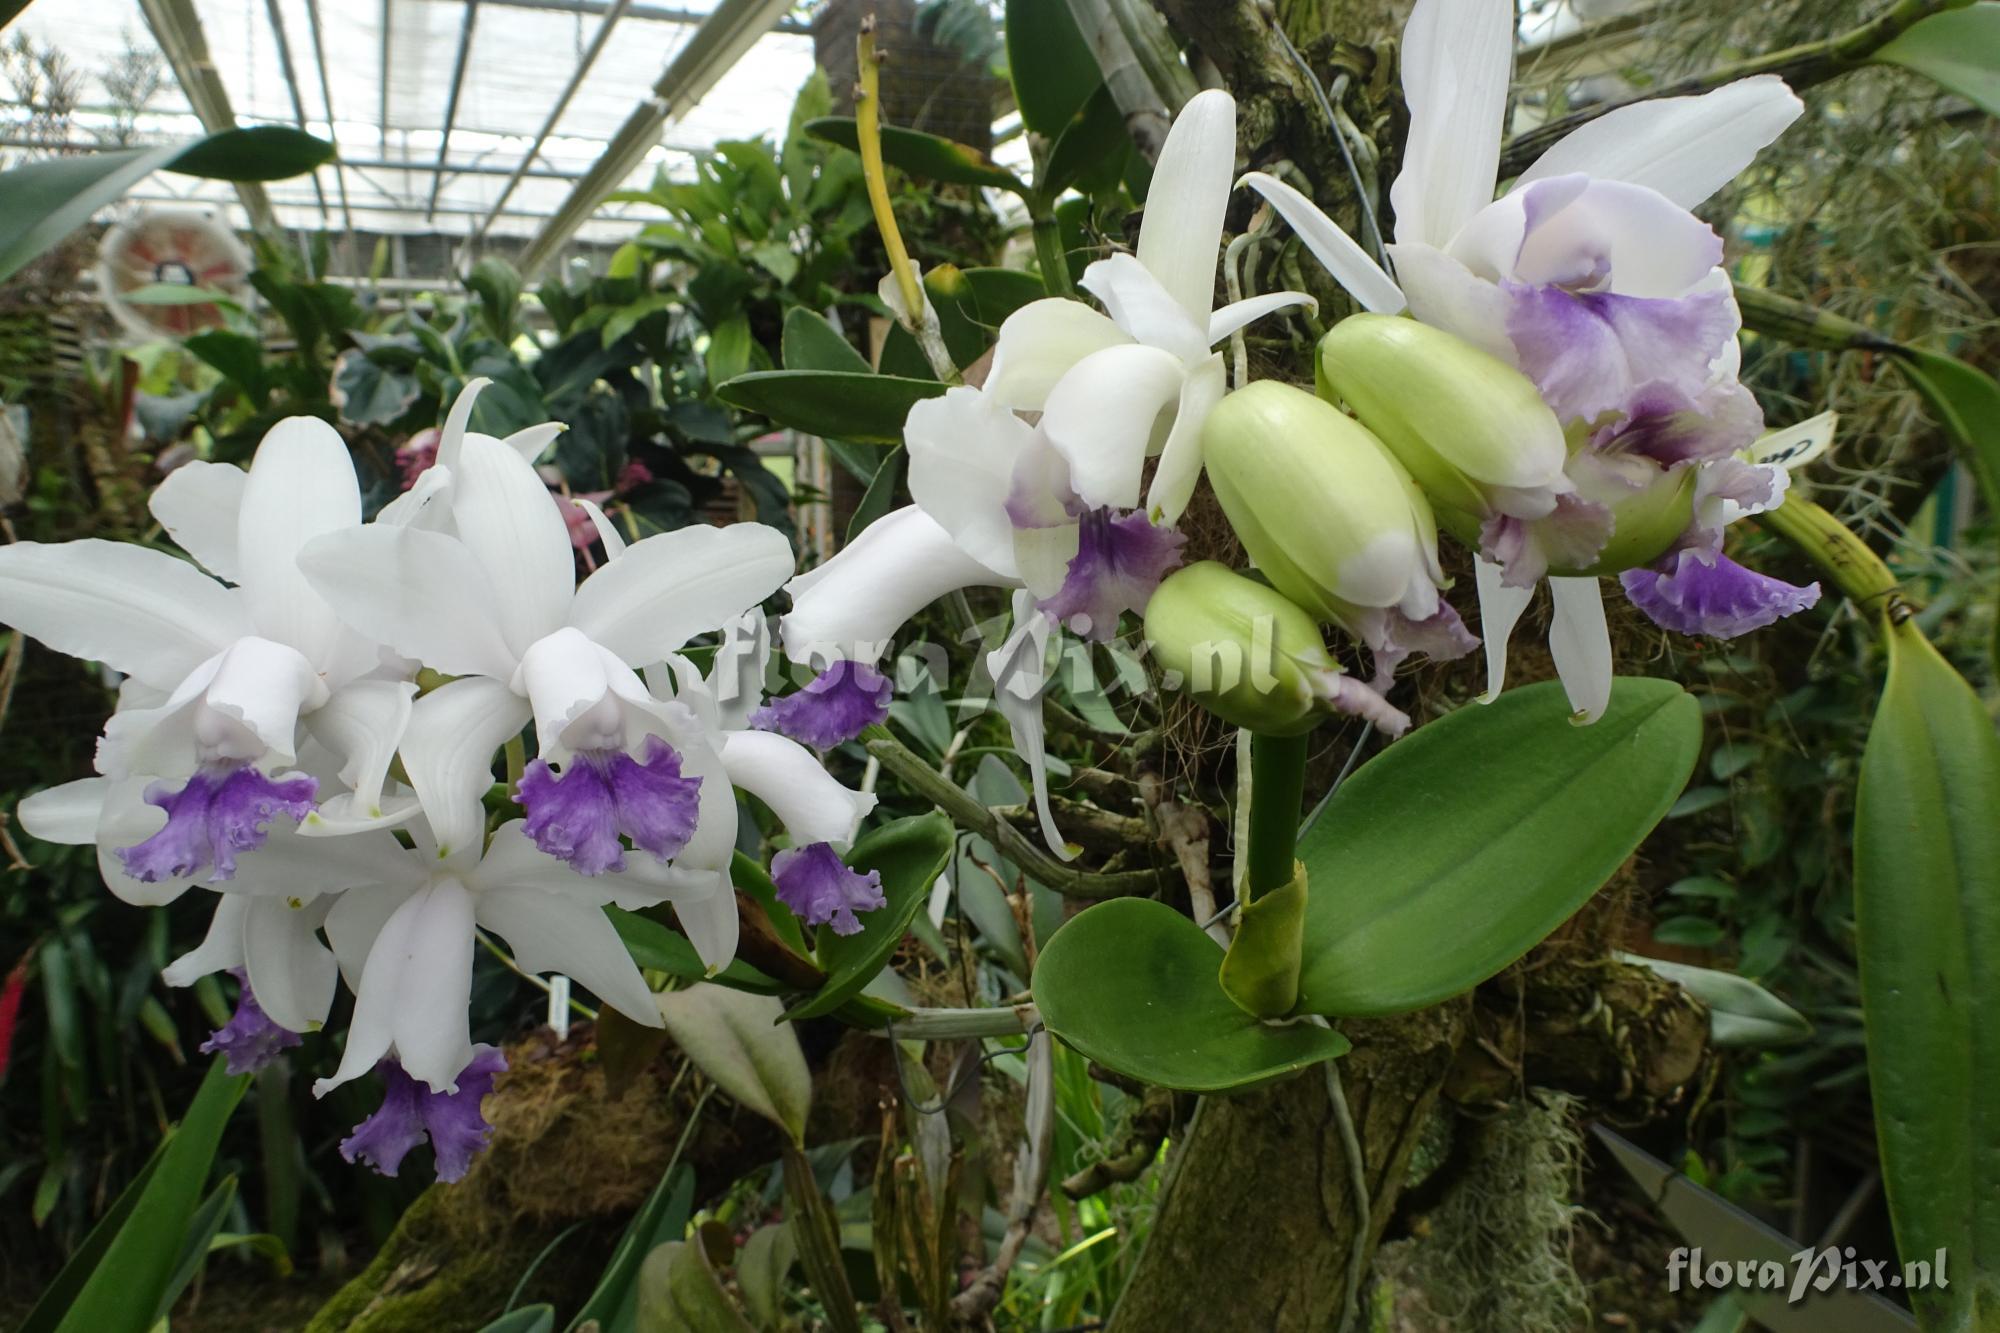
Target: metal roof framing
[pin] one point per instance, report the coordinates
(177, 28)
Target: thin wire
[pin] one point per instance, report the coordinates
(1371, 230)
(1357, 1182)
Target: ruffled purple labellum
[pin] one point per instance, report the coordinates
(249, 1040)
(411, 1112)
(841, 702)
(577, 816)
(1696, 593)
(1589, 351)
(1393, 636)
(214, 815)
(1119, 561)
(1667, 427)
(1571, 537)
(815, 883)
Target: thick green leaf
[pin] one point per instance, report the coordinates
(925, 156)
(1456, 850)
(909, 855)
(729, 349)
(843, 404)
(613, 1305)
(196, 1243)
(527, 1319)
(1927, 918)
(880, 497)
(679, 1292)
(1740, 1012)
(1053, 70)
(260, 153)
(1967, 400)
(1091, 148)
(238, 356)
(57, 1296)
(497, 284)
(1958, 49)
(811, 343)
(737, 1040)
(761, 1268)
(125, 1285)
(663, 949)
(1134, 985)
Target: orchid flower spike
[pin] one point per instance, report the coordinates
(499, 606)
(1593, 279)
(194, 761)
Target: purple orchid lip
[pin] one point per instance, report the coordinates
(411, 1112)
(1699, 593)
(218, 812)
(839, 704)
(815, 883)
(1120, 559)
(578, 816)
(1580, 348)
(249, 1040)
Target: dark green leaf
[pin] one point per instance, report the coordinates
(1457, 849)
(729, 349)
(925, 156)
(1958, 49)
(260, 153)
(909, 855)
(613, 1306)
(195, 1243)
(1053, 70)
(811, 343)
(1133, 985)
(880, 497)
(679, 1292)
(527, 1319)
(847, 405)
(663, 949)
(1927, 917)
(368, 394)
(497, 284)
(1091, 148)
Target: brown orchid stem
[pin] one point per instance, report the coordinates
(1800, 66)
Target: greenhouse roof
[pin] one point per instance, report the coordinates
(436, 104)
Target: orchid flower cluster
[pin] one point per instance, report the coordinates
(310, 731)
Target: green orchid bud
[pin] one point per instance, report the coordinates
(1328, 514)
(1251, 657)
(1468, 426)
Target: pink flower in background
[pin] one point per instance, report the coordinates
(416, 454)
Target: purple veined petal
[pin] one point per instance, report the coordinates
(410, 1113)
(1592, 353)
(1355, 698)
(249, 1040)
(578, 815)
(217, 813)
(814, 882)
(1663, 424)
(1525, 549)
(836, 706)
(1693, 592)
(1726, 489)
(1120, 560)
(1392, 636)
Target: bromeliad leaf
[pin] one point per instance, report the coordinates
(1457, 850)
(1134, 985)
(843, 404)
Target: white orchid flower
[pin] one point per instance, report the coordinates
(499, 606)
(427, 504)
(1591, 276)
(220, 677)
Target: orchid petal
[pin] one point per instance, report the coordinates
(265, 686)
(414, 990)
(127, 821)
(1141, 304)
(735, 684)
(65, 814)
(1019, 668)
(292, 974)
(1458, 60)
(534, 441)
(1179, 468)
(507, 520)
(710, 922)
(1181, 229)
(198, 505)
(362, 723)
(139, 611)
(550, 933)
(1349, 264)
(1238, 314)
(607, 532)
(301, 486)
(1644, 243)
(1101, 418)
(963, 448)
(452, 437)
(852, 606)
(670, 587)
(220, 948)
(292, 864)
(448, 752)
(1037, 346)
(1500, 608)
(1447, 295)
(420, 592)
(1686, 148)
(1580, 643)
(355, 921)
(810, 802)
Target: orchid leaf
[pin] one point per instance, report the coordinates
(661, 948)
(679, 1292)
(1053, 69)
(847, 405)
(1458, 849)
(812, 343)
(925, 156)
(1136, 986)
(527, 1319)
(1927, 918)
(1740, 1012)
(909, 855)
(1958, 49)
(736, 1039)
(613, 1305)
(880, 497)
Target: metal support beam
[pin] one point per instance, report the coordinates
(291, 74)
(326, 96)
(177, 29)
(648, 13)
(382, 91)
(589, 58)
(714, 48)
(451, 102)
